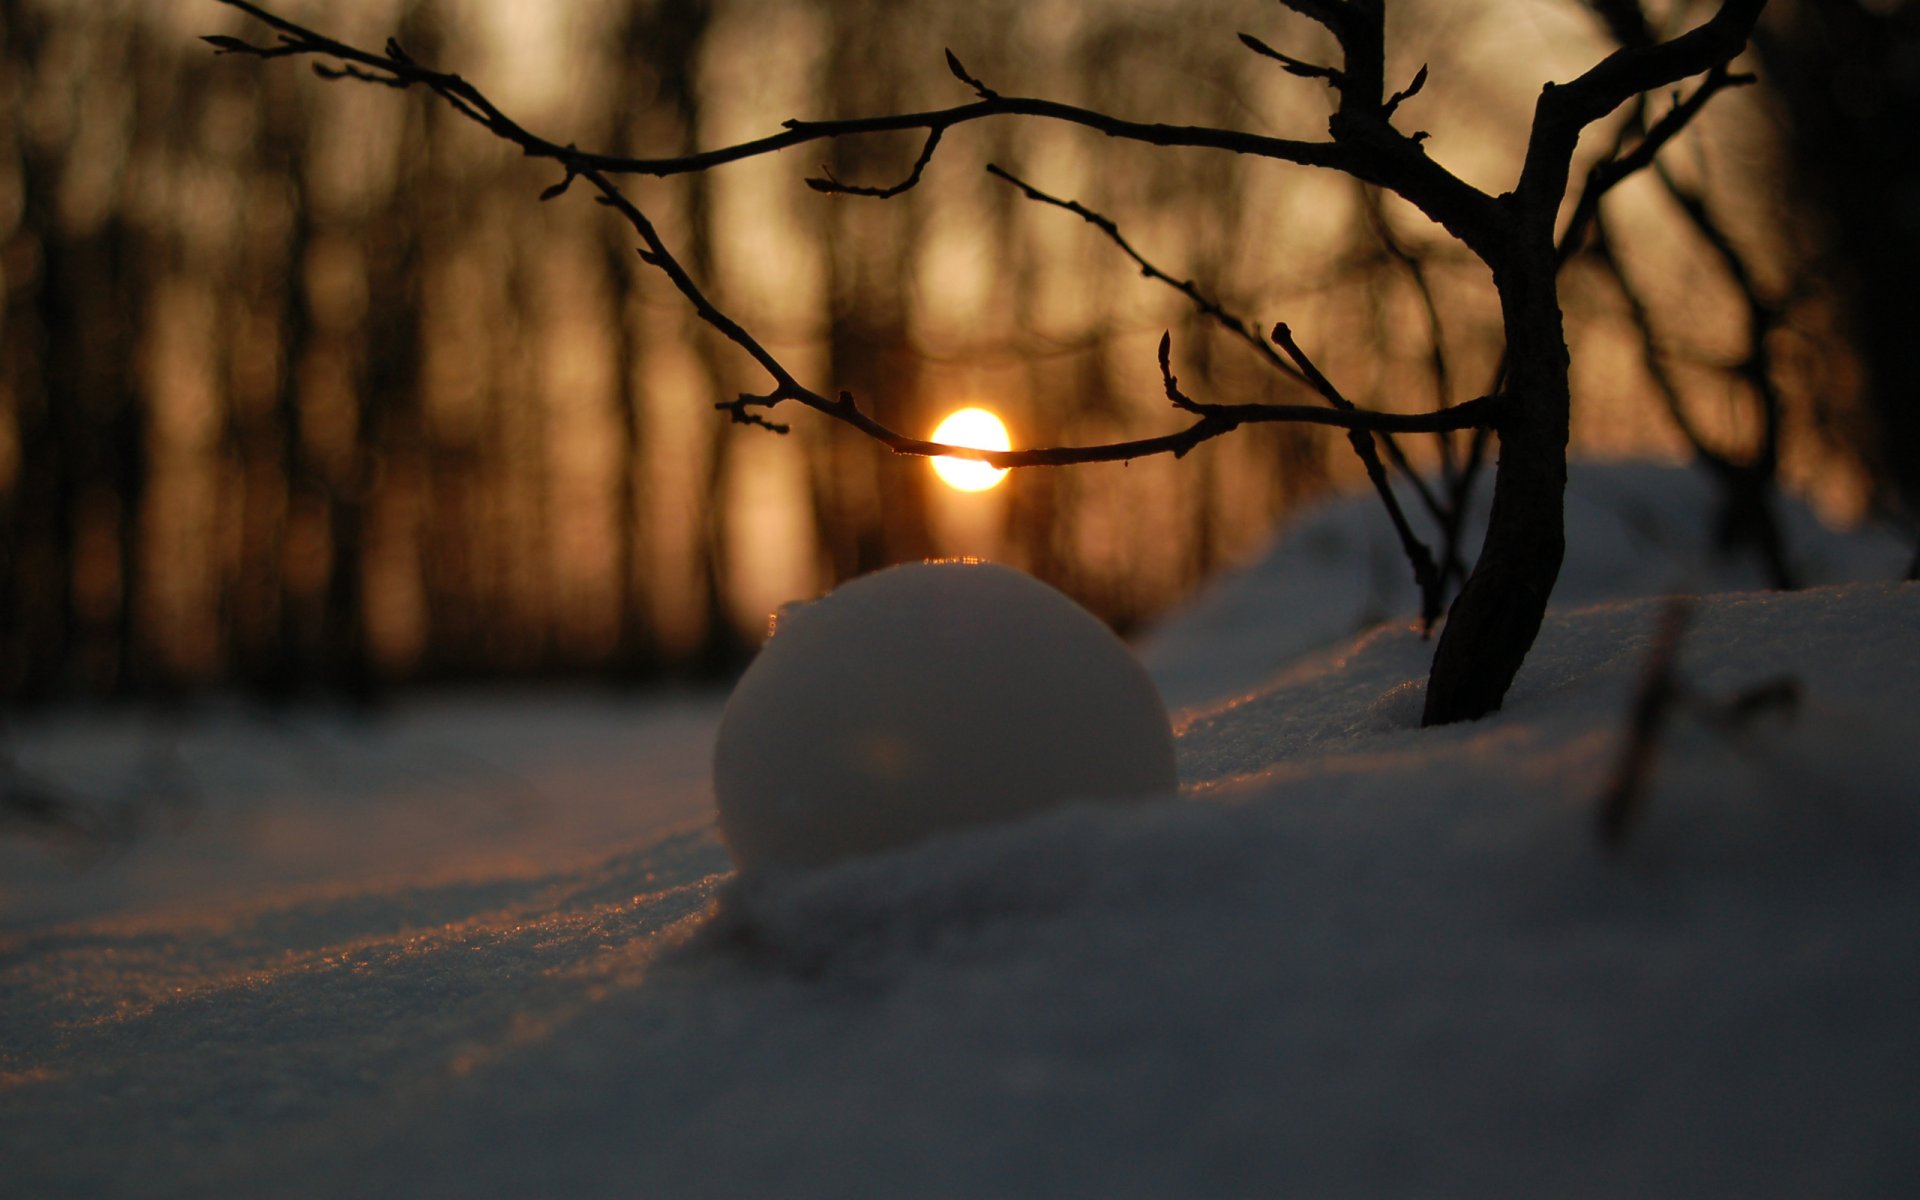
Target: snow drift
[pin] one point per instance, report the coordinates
(1352, 958)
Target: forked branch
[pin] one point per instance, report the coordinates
(394, 68)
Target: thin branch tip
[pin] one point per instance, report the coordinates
(1411, 90)
(1288, 63)
(961, 73)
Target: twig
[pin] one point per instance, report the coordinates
(1297, 366)
(1555, 150)
(1425, 575)
(1214, 419)
(1660, 693)
(1664, 385)
(1292, 65)
(1564, 110)
(1407, 93)
(829, 185)
(1623, 163)
(1624, 799)
(1436, 337)
(959, 72)
(1206, 306)
(1395, 162)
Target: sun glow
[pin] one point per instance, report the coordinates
(978, 428)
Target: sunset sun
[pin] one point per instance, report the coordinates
(978, 428)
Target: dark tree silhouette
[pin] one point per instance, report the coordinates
(1846, 69)
(1494, 619)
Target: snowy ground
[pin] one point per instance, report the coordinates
(492, 948)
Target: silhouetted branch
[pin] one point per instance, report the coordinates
(1564, 110)
(1296, 365)
(1493, 623)
(1618, 166)
(1448, 511)
(1207, 306)
(827, 184)
(1623, 163)
(1746, 482)
(404, 72)
(1425, 575)
(1436, 332)
(1360, 28)
(355, 73)
(960, 72)
(1394, 161)
(1601, 248)
(1214, 419)
(1409, 92)
(1292, 65)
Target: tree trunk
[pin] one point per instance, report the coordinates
(1494, 620)
(1846, 71)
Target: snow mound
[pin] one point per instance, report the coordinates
(924, 698)
(1352, 958)
(1398, 962)
(1633, 529)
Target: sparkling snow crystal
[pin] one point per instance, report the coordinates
(924, 698)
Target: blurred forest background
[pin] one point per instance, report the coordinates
(302, 390)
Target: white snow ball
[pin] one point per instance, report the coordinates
(929, 697)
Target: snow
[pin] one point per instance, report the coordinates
(1633, 529)
(925, 698)
(1352, 957)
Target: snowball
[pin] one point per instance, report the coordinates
(924, 698)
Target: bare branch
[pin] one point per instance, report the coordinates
(833, 187)
(1178, 398)
(1215, 419)
(1292, 65)
(1437, 343)
(1425, 574)
(1564, 110)
(330, 74)
(223, 44)
(1389, 160)
(1208, 307)
(1651, 358)
(959, 72)
(300, 40)
(1301, 368)
(739, 410)
(1359, 27)
(1416, 271)
(1621, 164)
(1412, 89)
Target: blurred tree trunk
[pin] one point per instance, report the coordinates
(636, 653)
(1850, 73)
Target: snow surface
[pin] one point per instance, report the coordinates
(1352, 958)
(925, 698)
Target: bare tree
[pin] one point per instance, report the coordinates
(1493, 621)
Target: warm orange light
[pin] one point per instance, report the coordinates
(980, 429)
